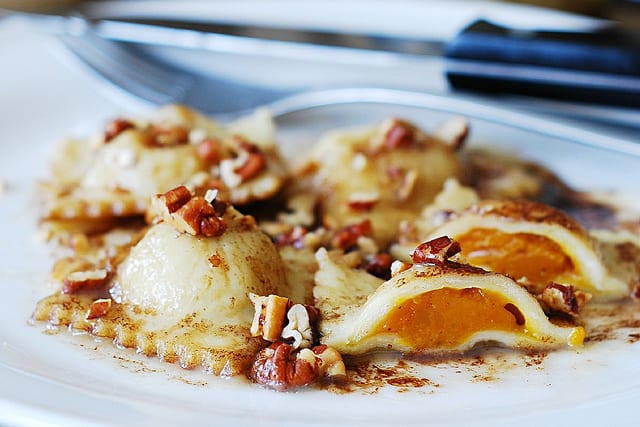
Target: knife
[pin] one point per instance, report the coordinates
(487, 47)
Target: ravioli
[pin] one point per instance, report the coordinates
(436, 308)
(384, 174)
(157, 256)
(534, 244)
(114, 174)
(183, 298)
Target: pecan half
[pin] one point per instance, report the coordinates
(435, 251)
(277, 368)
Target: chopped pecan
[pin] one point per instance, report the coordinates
(173, 199)
(407, 185)
(209, 150)
(453, 132)
(269, 315)
(379, 265)
(293, 237)
(160, 136)
(363, 201)
(277, 368)
(399, 134)
(564, 299)
(188, 214)
(331, 363)
(89, 279)
(254, 164)
(398, 267)
(116, 127)
(98, 308)
(347, 237)
(435, 251)
(301, 326)
(212, 226)
(248, 164)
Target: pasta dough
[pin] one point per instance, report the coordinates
(434, 309)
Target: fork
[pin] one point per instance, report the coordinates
(140, 74)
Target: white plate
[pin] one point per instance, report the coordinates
(67, 380)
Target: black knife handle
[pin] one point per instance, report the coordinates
(601, 66)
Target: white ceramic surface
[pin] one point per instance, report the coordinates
(71, 381)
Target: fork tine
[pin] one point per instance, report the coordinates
(127, 71)
(154, 80)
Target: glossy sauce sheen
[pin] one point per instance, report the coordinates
(447, 317)
(517, 255)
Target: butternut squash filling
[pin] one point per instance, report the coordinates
(445, 318)
(535, 258)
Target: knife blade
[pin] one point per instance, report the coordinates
(585, 60)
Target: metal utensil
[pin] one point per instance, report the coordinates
(141, 76)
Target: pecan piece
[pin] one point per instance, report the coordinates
(363, 201)
(254, 164)
(275, 367)
(188, 214)
(189, 217)
(564, 299)
(379, 265)
(173, 199)
(209, 150)
(293, 237)
(98, 308)
(435, 251)
(89, 279)
(301, 326)
(160, 136)
(399, 134)
(347, 237)
(116, 127)
(269, 315)
(453, 132)
(330, 361)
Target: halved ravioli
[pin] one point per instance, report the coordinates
(183, 298)
(534, 244)
(439, 308)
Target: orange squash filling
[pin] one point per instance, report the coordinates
(517, 255)
(447, 317)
